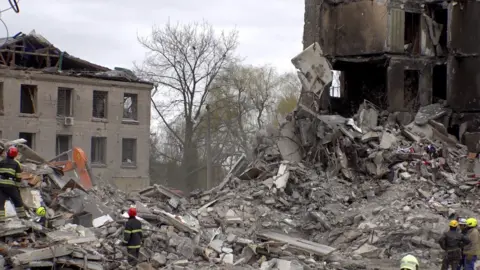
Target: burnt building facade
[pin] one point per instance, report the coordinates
(400, 55)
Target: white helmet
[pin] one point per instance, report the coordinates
(409, 262)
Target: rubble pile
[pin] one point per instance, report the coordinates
(364, 191)
(324, 192)
(86, 222)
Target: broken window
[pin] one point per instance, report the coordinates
(130, 106)
(28, 98)
(64, 102)
(100, 101)
(410, 92)
(29, 137)
(99, 150)
(337, 84)
(411, 35)
(439, 82)
(129, 152)
(440, 15)
(63, 144)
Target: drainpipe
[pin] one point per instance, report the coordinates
(60, 61)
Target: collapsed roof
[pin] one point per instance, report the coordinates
(33, 51)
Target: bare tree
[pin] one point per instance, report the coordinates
(244, 99)
(183, 61)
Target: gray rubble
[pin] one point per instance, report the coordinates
(364, 193)
(322, 191)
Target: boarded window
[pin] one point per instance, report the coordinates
(64, 102)
(99, 150)
(130, 106)
(63, 144)
(28, 99)
(129, 152)
(100, 102)
(30, 137)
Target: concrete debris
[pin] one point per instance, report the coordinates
(355, 192)
(429, 112)
(315, 70)
(322, 192)
(355, 199)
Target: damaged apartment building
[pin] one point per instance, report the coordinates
(56, 101)
(400, 55)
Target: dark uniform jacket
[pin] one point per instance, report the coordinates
(10, 172)
(133, 233)
(453, 240)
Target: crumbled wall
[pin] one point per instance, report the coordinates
(367, 37)
(463, 89)
(337, 30)
(46, 125)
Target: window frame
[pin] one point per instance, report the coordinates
(93, 145)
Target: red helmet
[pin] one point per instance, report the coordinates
(12, 152)
(132, 212)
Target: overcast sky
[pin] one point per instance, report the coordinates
(105, 31)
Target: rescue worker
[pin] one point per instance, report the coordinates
(462, 225)
(41, 216)
(10, 179)
(452, 242)
(471, 251)
(133, 236)
(409, 262)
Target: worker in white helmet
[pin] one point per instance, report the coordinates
(409, 262)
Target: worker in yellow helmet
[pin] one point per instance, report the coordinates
(41, 218)
(471, 251)
(409, 262)
(452, 242)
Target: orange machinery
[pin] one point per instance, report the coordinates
(77, 163)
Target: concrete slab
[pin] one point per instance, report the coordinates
(41, 254)
(298, 243)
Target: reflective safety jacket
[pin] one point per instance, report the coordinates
(10, 172)
(132, 235)
(474, 247)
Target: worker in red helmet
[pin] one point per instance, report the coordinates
(132, 236)
(10, 179)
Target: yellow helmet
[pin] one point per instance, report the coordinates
(472, 222)
(409, 262)
(41, 211)
(453, 223)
